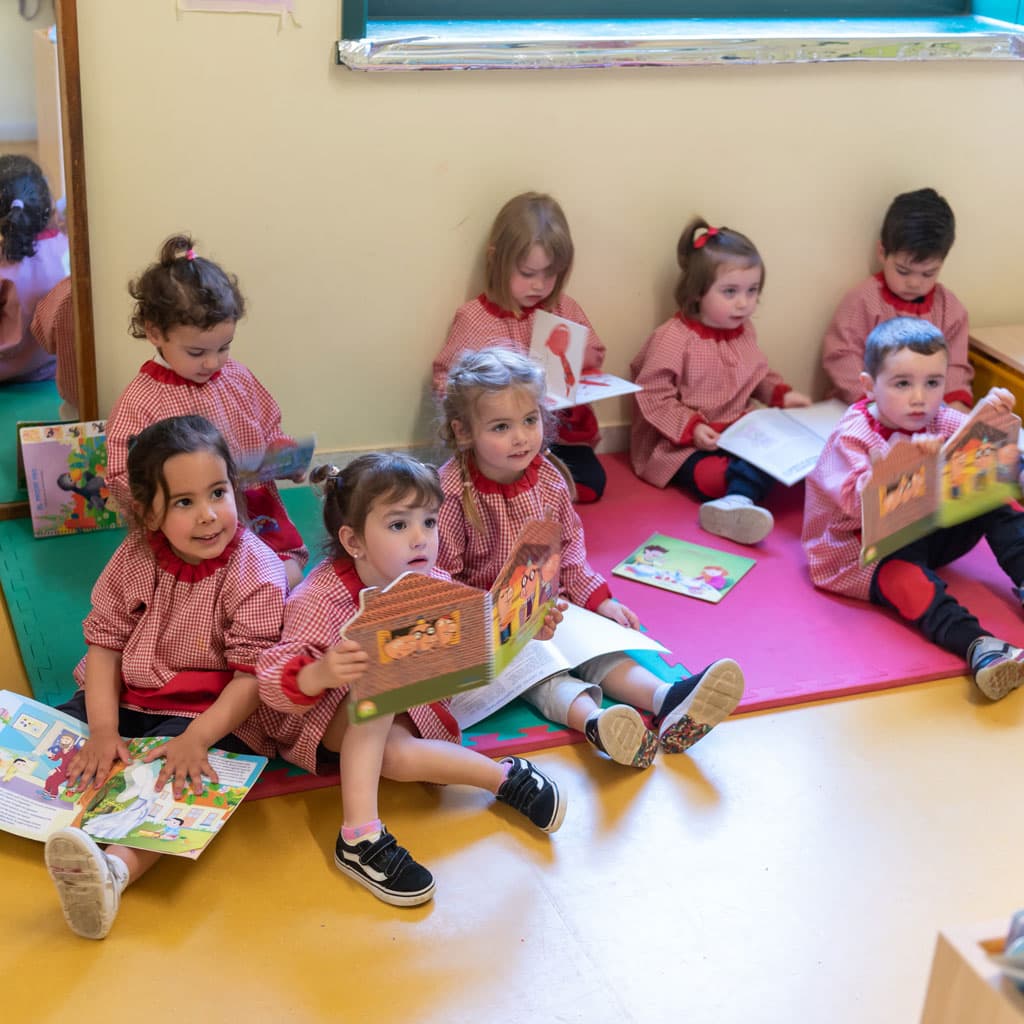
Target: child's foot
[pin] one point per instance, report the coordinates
(88, 883)
(687, 716)
(621, 733)
(386, 869)
(527, 789)
(998, 667)
(737, 518)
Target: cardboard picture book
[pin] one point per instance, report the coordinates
(559, 346)
(37, 745)
(913, 491)
(277, 464)
(684, 568)
(429, 638)
(65, 476)
(785, 443)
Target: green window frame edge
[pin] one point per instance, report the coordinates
(992, 31)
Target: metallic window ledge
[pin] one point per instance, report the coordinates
(552, 45)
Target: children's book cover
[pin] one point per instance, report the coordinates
(37, 746)
(65, 475)
(684, 568)
(277, 464)
(918, 488)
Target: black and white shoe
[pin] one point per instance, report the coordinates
(621, 733)
(386, 869)
(527, 789)
(692, 708)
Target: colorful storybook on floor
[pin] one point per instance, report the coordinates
(65, 476)
(917, 488)
(430, 638)
(37, 745)
(785, 443)
(684, 568)
(559, 346)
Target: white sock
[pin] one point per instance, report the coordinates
(119, 870)
(659, 696)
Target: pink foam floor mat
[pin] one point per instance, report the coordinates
(795, 643)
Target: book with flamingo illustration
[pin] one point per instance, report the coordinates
(559, 345)
(37, 746)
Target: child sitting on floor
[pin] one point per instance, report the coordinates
(904, 379)
(700, 372)
(917, 234)
(498, 480)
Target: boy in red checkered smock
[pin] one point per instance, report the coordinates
(499, 480)
(529, 257)
(187, 307)
(904, 381)
(380, 513)
(917, 234)
(700, 372)
(179, 617)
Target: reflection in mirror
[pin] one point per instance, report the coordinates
(47, 367)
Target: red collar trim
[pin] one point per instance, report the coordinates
(711, 333)
(185, 571)
(345, 570)
(165, 375)
(485, 485)
(922, 308)
(503, 314)
(44, 235)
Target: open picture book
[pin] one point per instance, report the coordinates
(785, 443)
(559, 346)
(684, 568)
(37, 745)
(916, 489)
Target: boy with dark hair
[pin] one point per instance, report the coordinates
(917, 234)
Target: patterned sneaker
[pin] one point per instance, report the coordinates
(736, 518)
(89, 889)
(622, 734)
(691, 711)
(386, 869)
(527, 789)
(998, 667)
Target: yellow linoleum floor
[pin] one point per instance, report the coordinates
(795, 869)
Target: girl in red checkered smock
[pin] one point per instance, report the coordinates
(529, 257)
(380, 513)
(700, 372)
(187, 307)
(179, 616)
(499, 480)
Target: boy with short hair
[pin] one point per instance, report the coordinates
(904, 380)
(917, 234)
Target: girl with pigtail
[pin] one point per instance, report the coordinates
(701, 371)
(380, 514)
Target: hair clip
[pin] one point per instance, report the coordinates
(701, 236)
(17, 204)
(190, 255)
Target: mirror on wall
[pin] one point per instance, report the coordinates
(41, 119)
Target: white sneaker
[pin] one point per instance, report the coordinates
(737, 518)
(89, 891)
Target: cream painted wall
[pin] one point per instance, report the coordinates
(354, 207)
(17, 74)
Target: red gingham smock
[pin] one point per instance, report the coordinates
(184, 630)
(316, 610)
(236, 403)
(832, 507)
(53, 326)
(480, 323)
(691, 374)
(476, 556)
(863, 308)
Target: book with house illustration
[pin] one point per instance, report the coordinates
(684, 568)
(65, 476)
(37, 746)
(279, 463)
(559, 346)
(785, 443)
(918, 488)
(429, 638)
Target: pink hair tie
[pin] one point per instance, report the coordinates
(190, 255)
(701, 236)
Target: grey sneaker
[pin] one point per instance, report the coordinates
(528, 790)
(621, 733)
(736, 518)
(693, 707)
(386, 869)
(998, 667)
(89, 891)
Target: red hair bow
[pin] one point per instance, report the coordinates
(701, 236)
